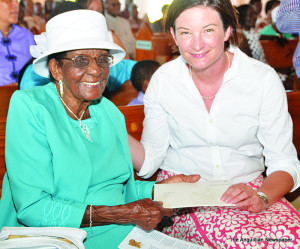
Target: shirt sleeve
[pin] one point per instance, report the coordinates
(276, 130)
(288, 16)
(156, 132)
(30, 169)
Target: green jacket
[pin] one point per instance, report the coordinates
(50, 164)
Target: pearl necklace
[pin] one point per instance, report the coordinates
(83, 127)
(212, 97)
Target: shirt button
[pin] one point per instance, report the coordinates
(210, 121)
(211, 143)
(218, 166)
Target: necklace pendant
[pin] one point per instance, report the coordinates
(85, 130)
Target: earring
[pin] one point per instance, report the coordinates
(61, 88)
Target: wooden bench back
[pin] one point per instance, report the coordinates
(153, 46)
(280, 57)
(294, 110)
(134, 117)
(5, 94)
(277, 56)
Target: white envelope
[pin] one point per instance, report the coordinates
(182, 194)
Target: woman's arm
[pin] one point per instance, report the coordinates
(144, 213)
(275, 134)
(246, 198)
(137, 152)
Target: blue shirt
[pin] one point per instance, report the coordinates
(14, 53)
(288, 20)
(139, 100)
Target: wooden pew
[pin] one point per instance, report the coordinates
(5, 94)
(293, 98)
(280, 57)
(153, 46)
(294, 110)
(123, 95)
(134, 117)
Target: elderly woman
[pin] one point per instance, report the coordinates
(232, 123)
(67, 155)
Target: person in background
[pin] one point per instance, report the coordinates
(134, 20)
(158, 25)
(247, 18)
(271, 29)
(49, 7)
(125, 13)
(140, 78)
(32, 22)
(288, 20)
(14, 43)
(119, 25)
(76, 170)
(257, 6)
(218, 113)
(21, 15)
(119, 73)
(270, 5)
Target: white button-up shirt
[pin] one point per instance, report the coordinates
(248, 126)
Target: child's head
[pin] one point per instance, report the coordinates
(141, 74)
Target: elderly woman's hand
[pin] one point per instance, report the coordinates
(147, 213)
(244, 198)
(144, 213)
(180, 178)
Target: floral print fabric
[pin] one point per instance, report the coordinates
(229, 227)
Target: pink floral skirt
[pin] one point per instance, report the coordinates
(228, 227)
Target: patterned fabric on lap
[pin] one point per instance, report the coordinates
(226, 227)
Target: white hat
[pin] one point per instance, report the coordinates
(72, 30)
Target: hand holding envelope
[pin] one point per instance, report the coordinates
(184, 194)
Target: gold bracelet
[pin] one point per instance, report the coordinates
(91, 221)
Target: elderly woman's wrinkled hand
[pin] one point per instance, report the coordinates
(180, 178)
(244, 198)
(147, 213)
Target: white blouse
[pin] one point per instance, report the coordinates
(248, 126)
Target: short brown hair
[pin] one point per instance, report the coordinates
(225, 9)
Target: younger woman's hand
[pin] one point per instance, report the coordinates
(244, 198)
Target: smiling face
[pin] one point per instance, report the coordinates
(8, 12)
(80, 84)
(200, 36)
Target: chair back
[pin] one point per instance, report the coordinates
(280, 57)
(2, 150)
(123, 95)
(293, 98)
(153, 46)
(5, 94)
(134, 117)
